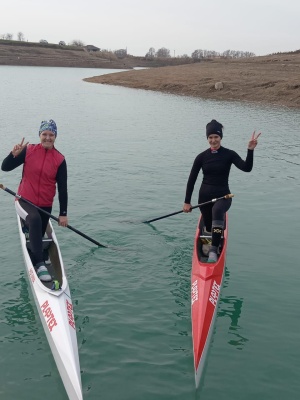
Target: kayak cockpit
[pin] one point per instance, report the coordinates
(51, 255)
(204, 240)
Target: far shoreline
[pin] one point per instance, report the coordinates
(272, 80)
(268, 80)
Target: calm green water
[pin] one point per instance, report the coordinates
(129, 153)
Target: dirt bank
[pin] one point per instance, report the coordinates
(52, 55)
(44, 56)
(273, 80)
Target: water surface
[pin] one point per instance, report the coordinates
(129, 153)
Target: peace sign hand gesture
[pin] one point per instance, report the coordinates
(18, 148)
(253, 141)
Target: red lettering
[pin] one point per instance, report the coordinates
(49, 316)
(44, 306)
(48, 313)
(51, 324)
(70, 314)
(72, 324)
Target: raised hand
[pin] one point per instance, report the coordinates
(18, 148)
(253, 141)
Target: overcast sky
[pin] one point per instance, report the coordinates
(260, 26)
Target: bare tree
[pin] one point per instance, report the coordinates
(249, 54)
(21, 37)
(237, 54)
(77, 42)
(151, 53)
(197, 54)
(7, 36)
(163, 53)
(122, 53)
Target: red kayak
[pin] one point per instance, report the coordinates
(206, 283)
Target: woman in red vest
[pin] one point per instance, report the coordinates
(44, 167)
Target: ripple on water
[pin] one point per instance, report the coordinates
(129, 154)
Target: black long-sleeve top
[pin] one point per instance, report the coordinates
(11, 162)
(216, 168)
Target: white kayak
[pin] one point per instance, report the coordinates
(55, 309)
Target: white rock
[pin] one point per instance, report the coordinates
(219, 85)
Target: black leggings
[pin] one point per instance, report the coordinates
(36, 221)
(214, 213)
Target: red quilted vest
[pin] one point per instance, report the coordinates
(38, 183)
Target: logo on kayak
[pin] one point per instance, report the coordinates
(214, 294)
(70, 314)
(194, 289)
(49, 316)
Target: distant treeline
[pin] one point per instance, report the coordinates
(199, 54)
(35, 44)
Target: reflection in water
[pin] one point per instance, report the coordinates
(19, 313)
(231, 306)
(181, 289)
(133, 141)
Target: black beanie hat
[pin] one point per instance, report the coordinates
(214, 127)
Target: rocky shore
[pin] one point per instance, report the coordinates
(271, 80)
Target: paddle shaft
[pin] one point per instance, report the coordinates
(52, 216)
(227, 196)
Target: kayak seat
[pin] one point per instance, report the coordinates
(205, 243)
(205, 239)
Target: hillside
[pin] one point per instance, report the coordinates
(273, 80)
(44, 55)
(53, 55)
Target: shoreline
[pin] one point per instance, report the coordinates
(272, 80)
(268, 80)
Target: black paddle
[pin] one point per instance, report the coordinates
(227, 196)
(52, 216)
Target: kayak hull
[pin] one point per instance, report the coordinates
(55, 309)
(206, 284)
